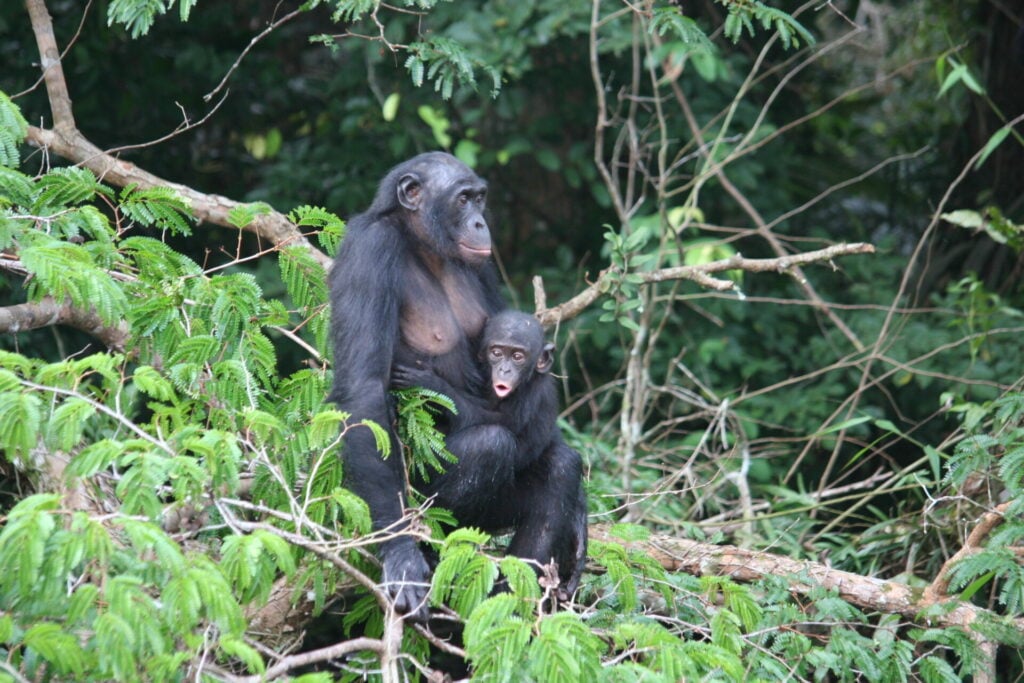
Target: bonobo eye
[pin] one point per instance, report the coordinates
(462, 199)
(518, 356)
(495, 352)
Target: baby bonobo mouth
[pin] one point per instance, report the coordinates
(502, 390)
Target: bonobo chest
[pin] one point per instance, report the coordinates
(440, 310)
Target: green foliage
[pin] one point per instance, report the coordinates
(138, 15)
(743, 14)
(158, 433)
(145, 595)
(206, 396)
(425, 445)
(13, 128)
(464, 577)
(447, 63)
(994, 450)
(330, 229)
(685, 29)
(992, 221)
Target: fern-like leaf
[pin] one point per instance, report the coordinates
(158, 207)
(65, 186)
(496, 638)
(20, 416)
(66, 271)
(331, 229)
(671, 19)
(135, 15)
(447, 63)
(13, 129)
(242, 215)
(304, 278)
(417, 430)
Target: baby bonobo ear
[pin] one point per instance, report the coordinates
(410, 191)
(546, 358)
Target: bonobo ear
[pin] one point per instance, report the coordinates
(410, 191)
(546, 358)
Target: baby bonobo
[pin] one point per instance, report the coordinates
(515, 416)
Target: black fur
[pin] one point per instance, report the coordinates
(514, 469)
(412, 286)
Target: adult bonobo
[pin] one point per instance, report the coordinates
(535, 479)
(412, 285)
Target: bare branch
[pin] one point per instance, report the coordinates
(325, 654)
(705, 559)
(700, 274)
(53, 72)
(47, 312)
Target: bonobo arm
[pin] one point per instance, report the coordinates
(366, 284)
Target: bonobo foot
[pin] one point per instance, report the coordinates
(406, 578)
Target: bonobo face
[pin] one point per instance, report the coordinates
(510, 367)
(514, 347)
(446, 202)
(467, 228)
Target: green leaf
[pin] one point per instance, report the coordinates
(68, 185)
(68, 422)
(158, 207)
(136, 15)
(236, 647)
(241, 215)
(19, 423)
(990, 146)
(665, 19)
(390, 108)
(13, 129)
(57, 647)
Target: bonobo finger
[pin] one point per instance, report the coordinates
(411, 601)
(407, 580)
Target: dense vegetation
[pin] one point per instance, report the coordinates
(780, 254)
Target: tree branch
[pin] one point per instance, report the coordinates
(67, 141)
(702, 559)
(938, 589)
(46, 312)
(698, 273)
(53, 71)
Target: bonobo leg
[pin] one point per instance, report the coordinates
(478, 487)
(552, 514)
(406, 575)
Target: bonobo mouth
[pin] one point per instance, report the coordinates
(502, 390)
(475, 252)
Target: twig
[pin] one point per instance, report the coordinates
(252, 43)
(324, 654)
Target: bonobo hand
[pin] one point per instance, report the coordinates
(406, 376)
(407, 579)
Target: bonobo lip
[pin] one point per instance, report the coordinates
(502, 389)
(475, 251)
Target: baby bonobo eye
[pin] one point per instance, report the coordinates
(518, 356)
